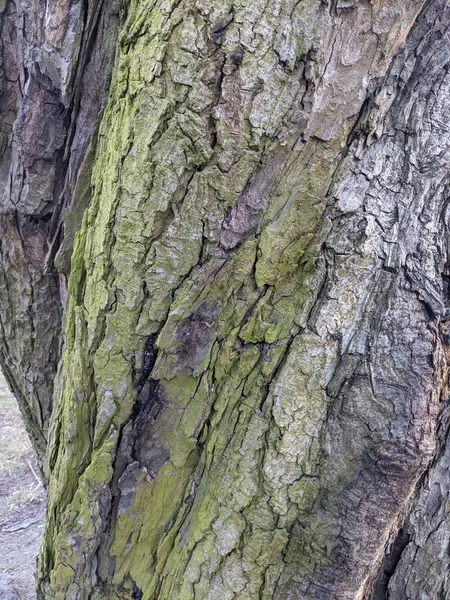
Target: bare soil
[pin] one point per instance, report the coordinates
(22, 504)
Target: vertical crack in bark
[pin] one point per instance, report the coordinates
(388, 566)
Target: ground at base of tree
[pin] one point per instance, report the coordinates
(22, 504)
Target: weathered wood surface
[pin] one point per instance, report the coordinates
(252, 401)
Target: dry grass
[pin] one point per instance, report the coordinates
(15, 445)
(19, 498)
(22, 503)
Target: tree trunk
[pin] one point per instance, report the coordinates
(252, 395)
(54, 78)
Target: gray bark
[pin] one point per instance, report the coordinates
(252, 399)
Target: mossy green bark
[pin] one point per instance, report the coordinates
(184, 456)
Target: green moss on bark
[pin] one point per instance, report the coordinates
(186, 477)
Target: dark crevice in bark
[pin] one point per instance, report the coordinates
(388, 566)
(71, 161)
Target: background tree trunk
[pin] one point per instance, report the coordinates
(55, 73)
(252, 395)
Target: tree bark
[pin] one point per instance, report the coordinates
(55, 73)
(252, 395)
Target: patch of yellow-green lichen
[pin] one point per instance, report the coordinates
(177, 147)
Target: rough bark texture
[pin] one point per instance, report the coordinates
(55, 72)
(252, 397)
